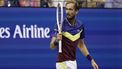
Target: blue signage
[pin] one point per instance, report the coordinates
(25, 35)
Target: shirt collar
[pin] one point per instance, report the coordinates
(70, 23)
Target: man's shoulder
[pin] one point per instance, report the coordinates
(79, 22)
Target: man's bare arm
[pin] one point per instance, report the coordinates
(82, 47)
(52, 43)
(84, 50)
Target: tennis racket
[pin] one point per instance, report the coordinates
(59, 14)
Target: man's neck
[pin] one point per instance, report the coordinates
(72, 21)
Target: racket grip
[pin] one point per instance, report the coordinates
(60, 46)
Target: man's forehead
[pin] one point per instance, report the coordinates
(70, 4)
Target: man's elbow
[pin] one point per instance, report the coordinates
(52, 46)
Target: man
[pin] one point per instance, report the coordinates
(55, 2)
(1, 3)
(11, 3)
(44, 3)
(113, 4)
(72, 37)
(29, 3)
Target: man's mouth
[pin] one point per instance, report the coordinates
(68, 15)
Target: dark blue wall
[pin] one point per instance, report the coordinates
(103, 38)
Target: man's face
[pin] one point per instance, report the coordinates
(70, 11)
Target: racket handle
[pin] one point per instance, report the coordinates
(60, 46)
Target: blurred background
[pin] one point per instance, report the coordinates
(53, 3)
(103, 33)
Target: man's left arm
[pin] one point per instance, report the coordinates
(84, 50)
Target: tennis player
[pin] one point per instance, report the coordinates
(72, 36)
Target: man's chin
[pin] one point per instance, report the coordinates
(69, 18)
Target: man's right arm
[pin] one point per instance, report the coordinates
(55, 39)
(52, 43)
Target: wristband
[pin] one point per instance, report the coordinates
(56, 43)
(89, 57)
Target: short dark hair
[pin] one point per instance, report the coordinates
(76, 4)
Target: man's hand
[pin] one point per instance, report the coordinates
(59, 36)
(95, 66)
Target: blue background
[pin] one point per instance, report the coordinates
(103, 28)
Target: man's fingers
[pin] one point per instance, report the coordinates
(59, 36)
(95, 66)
